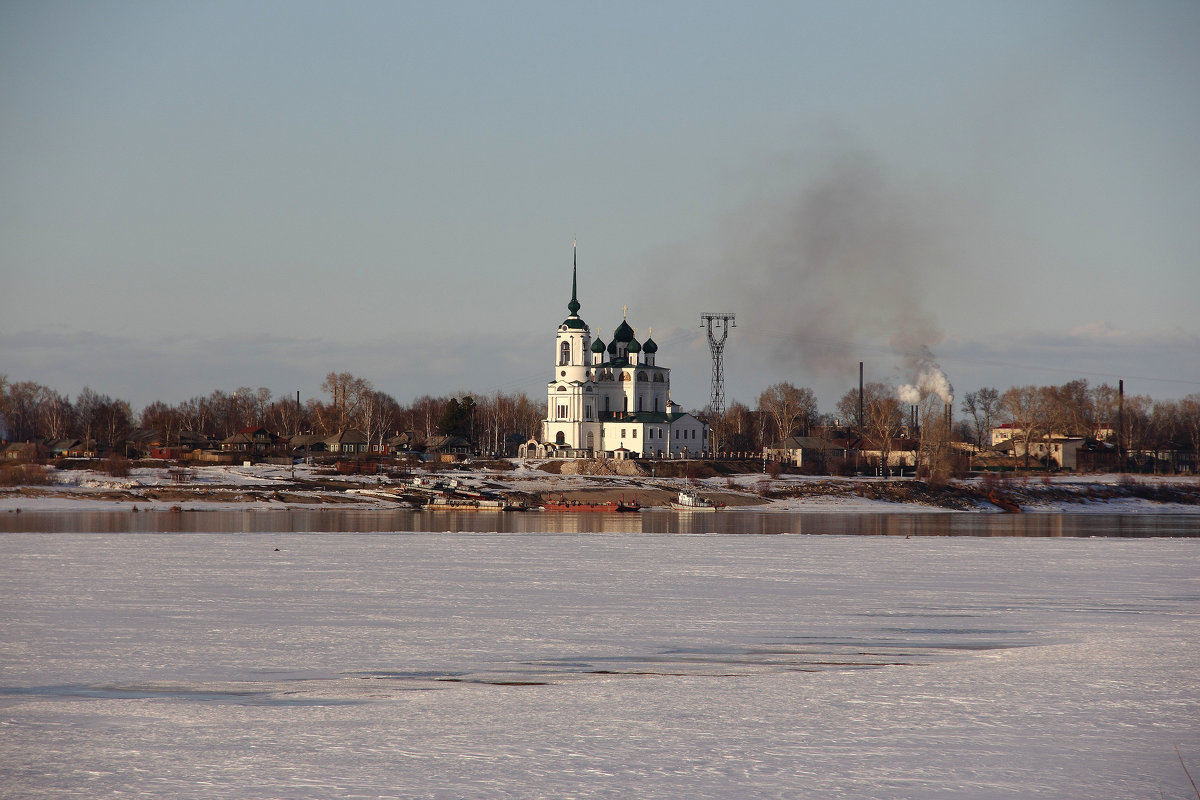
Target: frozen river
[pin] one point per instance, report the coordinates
(283, 664)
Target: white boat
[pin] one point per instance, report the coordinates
(692, 501)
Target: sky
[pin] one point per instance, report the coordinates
(201, 196)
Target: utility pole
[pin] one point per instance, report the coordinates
(718, 325)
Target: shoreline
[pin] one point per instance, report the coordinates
(266, 487)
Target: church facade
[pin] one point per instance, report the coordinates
(612, 400)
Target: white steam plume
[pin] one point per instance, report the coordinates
(929, 380)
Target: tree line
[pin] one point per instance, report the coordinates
(31, 411)
(1136, 423)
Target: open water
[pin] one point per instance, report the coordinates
(648, 521)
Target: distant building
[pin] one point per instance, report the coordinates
(253, 441)
(1059, 451)
(613, 400)
(806, 451)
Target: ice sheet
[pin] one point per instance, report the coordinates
(596, 665)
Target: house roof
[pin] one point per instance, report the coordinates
(307, 439)
(350, 436)
(445, 442)
(647, 416)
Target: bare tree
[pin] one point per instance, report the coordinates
(377, 414)
(55, 414)
(164, 419)
(882, 419)
(789, 408)
(1025, 409)
(1138, 431)
(1069, 409)
(284, 416)
(348, 395)
(983, 406)
(20, 409)
(426, 411)
(739, 427)
(1105, 403)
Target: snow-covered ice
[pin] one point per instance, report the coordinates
(489, 665)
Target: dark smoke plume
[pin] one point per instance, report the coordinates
(840, 264)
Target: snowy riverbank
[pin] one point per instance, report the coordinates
(277, 487)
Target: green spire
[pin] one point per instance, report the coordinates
(573, 306)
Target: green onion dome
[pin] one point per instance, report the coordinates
(623, 333)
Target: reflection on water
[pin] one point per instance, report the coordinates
(650, 521)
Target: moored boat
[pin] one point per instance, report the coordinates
(563, 504)
(464, 504)
(692, 501)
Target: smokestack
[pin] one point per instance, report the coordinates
(1121, 423)
(860, 396)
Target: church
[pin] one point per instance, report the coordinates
(612, 400)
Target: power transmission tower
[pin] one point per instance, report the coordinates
(718, 324)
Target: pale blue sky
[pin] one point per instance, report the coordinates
(209, 195)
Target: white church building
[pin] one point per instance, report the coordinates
(612, 400)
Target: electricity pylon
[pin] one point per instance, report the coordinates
(718, 324)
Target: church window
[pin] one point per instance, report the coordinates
(560, 438)
(565, 354)
(635, 433)
(642, 376)
(562, 412)
(625, 376)
(561, 389)
(622, 433)
(587, 410)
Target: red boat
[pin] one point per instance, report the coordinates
(563, 504)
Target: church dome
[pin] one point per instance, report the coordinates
(623, 333)
(612, 347)
(650, 347)
(598, 346)
(634, 347)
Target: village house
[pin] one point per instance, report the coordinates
(347, 442)
(254, 442)
(1061, 451)
(795, 450)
